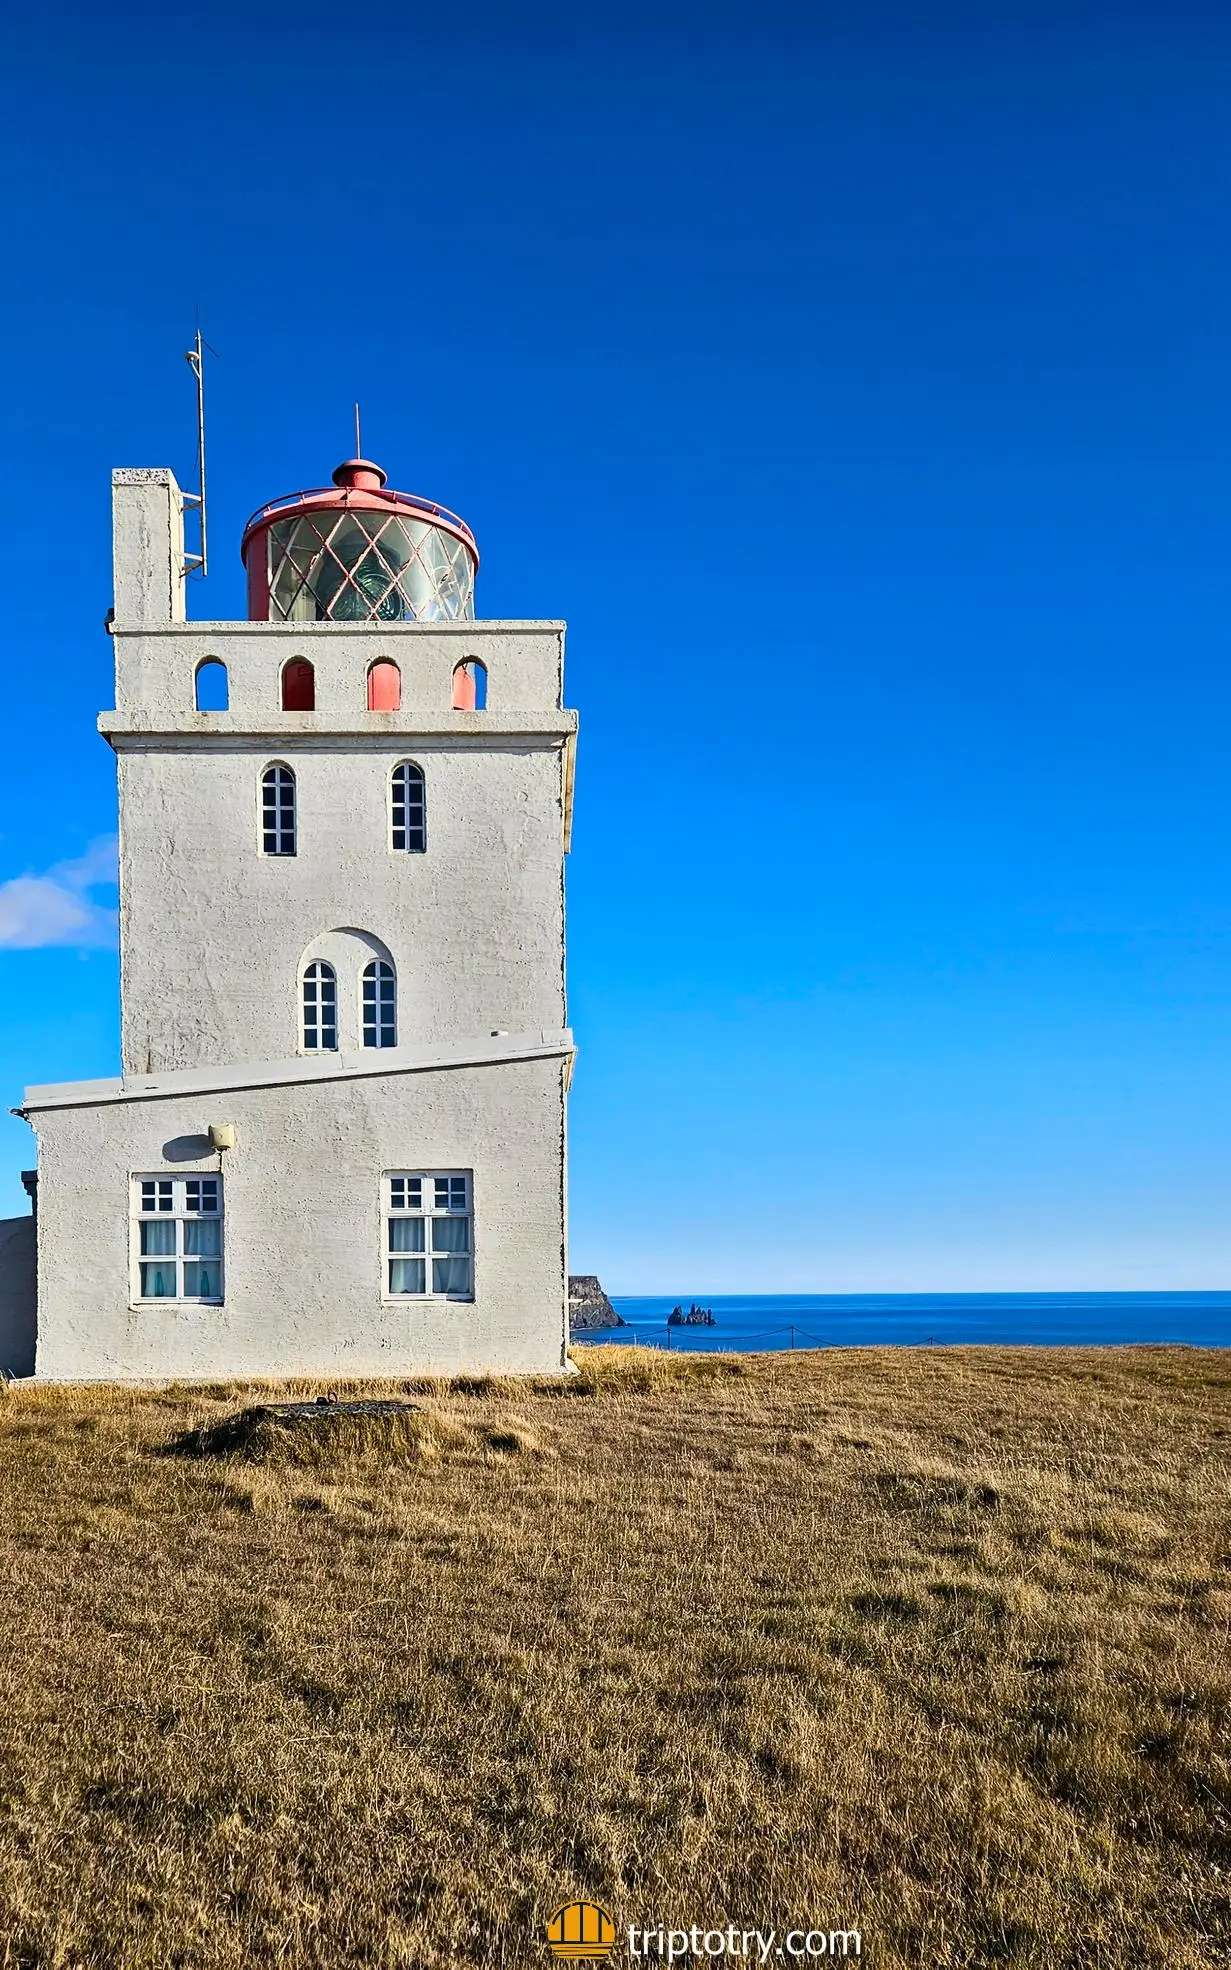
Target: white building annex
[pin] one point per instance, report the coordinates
(338, 1143)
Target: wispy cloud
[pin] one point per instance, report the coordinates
(57, 908)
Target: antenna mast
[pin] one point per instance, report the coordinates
(198, 564)
(358, 442)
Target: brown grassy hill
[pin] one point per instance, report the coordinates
(928, 1643)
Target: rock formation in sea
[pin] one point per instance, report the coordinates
(697, 1316)
(588, 1305)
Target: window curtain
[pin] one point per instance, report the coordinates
(451, 1275)
(450, 1234)
(406, 1275)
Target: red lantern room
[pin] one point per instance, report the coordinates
(355, 552)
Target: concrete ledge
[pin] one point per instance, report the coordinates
(380, 1063)
(476, 729)
(386, 631)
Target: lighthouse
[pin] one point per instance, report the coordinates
(337, 1145)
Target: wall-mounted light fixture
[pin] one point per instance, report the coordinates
(222, 1135)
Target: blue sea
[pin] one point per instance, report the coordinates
(807, 1320)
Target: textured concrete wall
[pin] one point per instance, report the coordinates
(213, 931)
(156, 666)
(17, 1296)
(147, 545)
(302, 1228)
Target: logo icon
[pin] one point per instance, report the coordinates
(580, 1930)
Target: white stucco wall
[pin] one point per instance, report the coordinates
(147, 538)
(302, 1226)
(213, 931)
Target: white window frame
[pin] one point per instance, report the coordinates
(311, 1029)
(405, 771)
(377, 966)
(277, 826)
(415, 1195)
(179, 1201)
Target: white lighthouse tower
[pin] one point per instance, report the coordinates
(338, 1142)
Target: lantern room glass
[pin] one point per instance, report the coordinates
(360, 566)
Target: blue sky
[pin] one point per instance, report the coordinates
(856, 385)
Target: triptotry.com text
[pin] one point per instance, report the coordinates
(663, 1945)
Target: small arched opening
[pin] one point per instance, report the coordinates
(211, 692)
(384, 686)
(470, 685)
(298, 685)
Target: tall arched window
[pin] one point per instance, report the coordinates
(408, 810)
(211, 685)
(384, 686)
(298, 685)
(320, 1008)
(380, 1005)
(470, 685)
(278, 810)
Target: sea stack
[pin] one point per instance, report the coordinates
(588, 1305)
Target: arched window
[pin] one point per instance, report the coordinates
(470, 685)
(211, 688)
(380, 1007)
(320, 1008)
(298, 685)
(408, 810)
(384, 686)
(278, 810)
(343, 992)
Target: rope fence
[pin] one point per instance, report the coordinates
(797, 1334)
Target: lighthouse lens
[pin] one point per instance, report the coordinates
(361, 566)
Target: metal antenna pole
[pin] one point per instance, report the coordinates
(198, 564)
(358, 441)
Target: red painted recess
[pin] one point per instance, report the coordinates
(470, 686)
(384, 687)
(298, 686)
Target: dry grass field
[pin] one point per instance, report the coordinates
(929, 1644)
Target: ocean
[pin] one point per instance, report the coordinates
(802, 1320)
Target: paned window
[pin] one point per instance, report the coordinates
(409, 810)
(278, 810)
(320, 1008)
(429, 1248)
(380, 1005)
(178, 1238)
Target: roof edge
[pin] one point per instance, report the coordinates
(500, 1049)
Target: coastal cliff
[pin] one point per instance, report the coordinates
(588, 1305)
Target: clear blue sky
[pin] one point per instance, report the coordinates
(855, 381)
